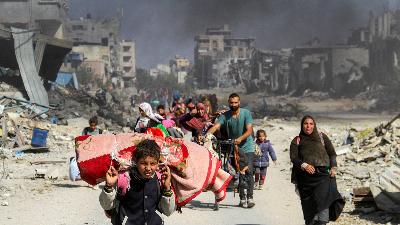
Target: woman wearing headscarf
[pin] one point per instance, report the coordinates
(147, 118)
(195, 121)
(314, 169)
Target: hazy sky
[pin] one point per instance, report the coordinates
(164, 28)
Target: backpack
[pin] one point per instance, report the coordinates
(293, 176)
(320, 136)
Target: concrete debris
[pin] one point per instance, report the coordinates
(368, 156)
(343, 149)
(361, 173)
(372, 160)
(387, 193)
(4, 203)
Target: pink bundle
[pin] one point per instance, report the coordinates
(193, 168)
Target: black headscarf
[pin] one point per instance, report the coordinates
(312, 146)
(314, 136)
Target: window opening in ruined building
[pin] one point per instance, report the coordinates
(215, 45)
(104, 41)
(126, 48)
(126, 58)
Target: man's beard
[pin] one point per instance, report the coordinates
(234, 108)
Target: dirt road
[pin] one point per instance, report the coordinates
(62, 202)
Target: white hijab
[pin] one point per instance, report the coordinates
(143, 121)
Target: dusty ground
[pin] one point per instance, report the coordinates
(62, 202)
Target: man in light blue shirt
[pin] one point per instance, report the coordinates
(238, 124)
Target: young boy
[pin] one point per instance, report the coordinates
(92, 129)
(242, 167)
(261, 162)
(137, 205)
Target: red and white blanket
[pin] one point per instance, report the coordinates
(192, 166)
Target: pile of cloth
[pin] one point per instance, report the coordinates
(194, 169)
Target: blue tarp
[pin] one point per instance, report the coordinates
(67, 79)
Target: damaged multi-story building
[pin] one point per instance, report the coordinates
(116, 58)
(33, 44)
(384, 38)
(339, 69)
(270, 71)
(222, 60)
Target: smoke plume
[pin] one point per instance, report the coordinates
(164, 28)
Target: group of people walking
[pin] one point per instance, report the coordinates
(311, 152)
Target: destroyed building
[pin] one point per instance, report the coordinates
(382, 37)
(270, 71)
(340, 69)
(128, 61)
(116, 58)
(33, 45)
(385, 47)
(221, 59)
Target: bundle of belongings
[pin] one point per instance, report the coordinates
(192, 166)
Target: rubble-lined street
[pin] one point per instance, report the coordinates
(77, 203)
(97, 97)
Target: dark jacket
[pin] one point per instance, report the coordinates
(266, 151)
(313, 151)
(90, 131)
(139, 203)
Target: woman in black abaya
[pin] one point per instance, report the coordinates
(313, 173)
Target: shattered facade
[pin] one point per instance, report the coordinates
(127, 60)
(385, 47)
(216, 47)
(271, 71)
(338, 69)
(32, 44)
(47, 17)
(385, 67)
(121, 60)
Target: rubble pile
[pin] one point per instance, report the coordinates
(79, 103)
(381, 97)
(42, 167)
(23, 165)
(369, 159)
(369, 155)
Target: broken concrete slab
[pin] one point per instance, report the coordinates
(387, 193)
(361, 173)
(343, 149)
(369, 156)
(383, 201)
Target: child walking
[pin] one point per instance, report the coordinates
(242, 167)
(136, 203)
(261, 162)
